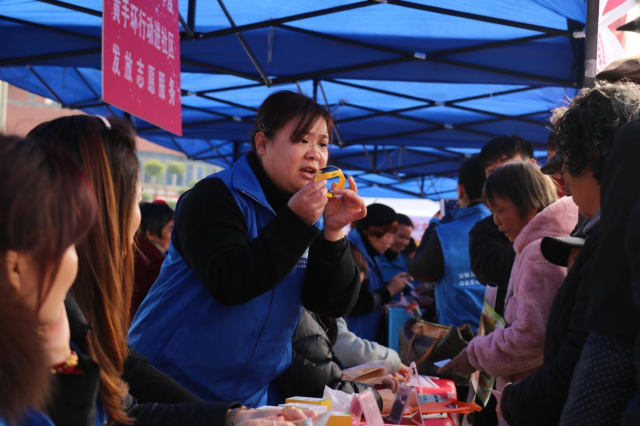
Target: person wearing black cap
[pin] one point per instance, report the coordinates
(445, 258)
(604, 375)
(580, 159)
(372, 236)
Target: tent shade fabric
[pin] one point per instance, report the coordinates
(414, 87)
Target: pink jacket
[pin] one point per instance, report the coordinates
(515, 352)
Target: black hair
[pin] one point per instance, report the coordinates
(411, 247)
(505, 147)
(155, 217)
(471, 176)
(404, 220)
(283, 106)
(588, 128)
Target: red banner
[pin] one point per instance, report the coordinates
(141, 60)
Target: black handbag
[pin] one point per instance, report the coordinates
(424, 343)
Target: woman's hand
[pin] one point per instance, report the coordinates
(309, 203)
(271, 417)
(398, 283)
(388, 398)
(459, 364)
(405, 372)
(345, 208)
(56, 338)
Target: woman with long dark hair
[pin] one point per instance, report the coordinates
(100, 306)
(47, 208)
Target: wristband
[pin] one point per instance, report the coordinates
(68, 366)
(231, 415)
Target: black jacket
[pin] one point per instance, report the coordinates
(314, 364)
(73, 402)
(611, 309)
(492, 257)
(539, 398)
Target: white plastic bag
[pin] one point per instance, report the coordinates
(340, 401)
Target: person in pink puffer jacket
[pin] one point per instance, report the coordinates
(526, 209)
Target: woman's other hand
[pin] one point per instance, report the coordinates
(342, 210)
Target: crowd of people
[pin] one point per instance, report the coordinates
(121, 312)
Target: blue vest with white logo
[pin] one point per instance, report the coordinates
(366, 326)
(459, 296)
(218, 352)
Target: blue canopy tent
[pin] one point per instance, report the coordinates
(414, 86)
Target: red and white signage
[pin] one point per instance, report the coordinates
(613, 44)
(141, 60)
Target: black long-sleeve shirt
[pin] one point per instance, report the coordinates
(492, 257)
(210, 233)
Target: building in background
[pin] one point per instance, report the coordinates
(164, 173)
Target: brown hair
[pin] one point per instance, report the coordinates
(523, 184)
(283, 106)
(47, 205)
(104, 285)
(359, 260)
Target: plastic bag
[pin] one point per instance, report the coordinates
(340, 401)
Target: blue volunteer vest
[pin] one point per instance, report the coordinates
(218, 352)
(366, 326)
(391, 268)
(32, 417)
(459, 296)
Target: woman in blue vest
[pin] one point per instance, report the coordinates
(372, 236)
(248, 252)
(47, 208)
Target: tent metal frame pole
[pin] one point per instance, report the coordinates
(220, 70)
(191, 15)
(206, 111)
(96, 94)
(245, 46)
(225, 89)
(393, 112)
(230, 103)
(46, 56)
(400, 52)
(591, 43)
(419, 99)
(49, 28)
(206, 122)
(347, 68)
(72, 7)
(380, 113)
(315, 90)
(187, 28)
(481, 18)
(274, 22)
(437, 56)
(45, 84)
(425, 163)
(498, 115)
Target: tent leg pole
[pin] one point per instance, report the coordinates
(591, 48)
